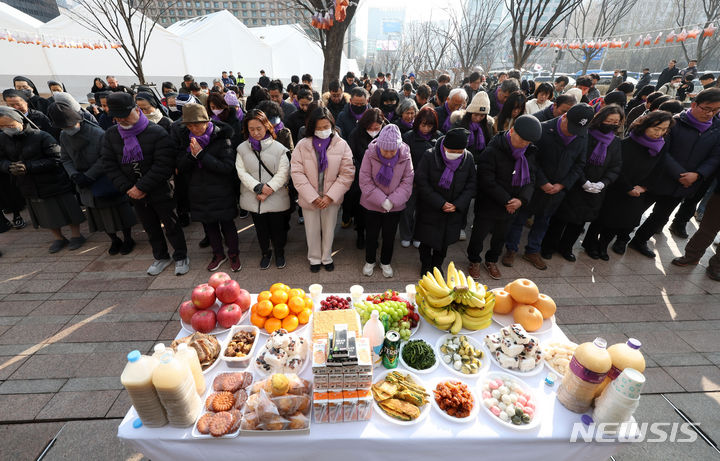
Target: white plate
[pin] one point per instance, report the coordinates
(218, 330)
(198, 435)
(261, 371)
(237, 362)
(298, 330)
(217, 359)
(538, 368)
(423, 411)
(485, 361)
(507, 319)
(415, 370)
(547, 364)
(526, 389)
(476, 402)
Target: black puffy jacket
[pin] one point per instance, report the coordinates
(40, 153)
(151, 174)
(212, 177)
(418, 146)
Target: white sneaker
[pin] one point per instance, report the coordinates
(416, 243)
(368, 269)
(182, 267)
(462, 235)
(158, 266)
(386, 270)
(717, 240)
(404, 243)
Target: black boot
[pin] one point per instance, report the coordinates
(115, 245)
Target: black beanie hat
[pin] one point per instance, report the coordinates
(528, 128)
(457, 138)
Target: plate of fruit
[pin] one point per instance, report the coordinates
(509, 401)
(520, 301)
(216, 306)
(281, 307)
(401, 314)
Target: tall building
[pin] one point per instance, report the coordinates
(42, 10)
(251, 13)
(384, 30)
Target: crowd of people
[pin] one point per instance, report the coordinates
(562, 161)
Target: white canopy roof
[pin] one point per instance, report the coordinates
(18, 59)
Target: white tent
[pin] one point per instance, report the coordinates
(77, 67)
(16, 58)
(219, 41)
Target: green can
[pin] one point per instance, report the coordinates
(391, 349)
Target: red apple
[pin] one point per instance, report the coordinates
(203, 321)
(217, 278)
(229, 315)
(243, 300)
(228, 291)
(203, 296)
(187, 310)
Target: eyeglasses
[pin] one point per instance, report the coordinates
(709, 110)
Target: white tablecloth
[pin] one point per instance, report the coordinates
(433, 438)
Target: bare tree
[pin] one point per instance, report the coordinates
(534, 18)
(473, 27)
(423, 49)
(699, 11)
(599, 19)
(331, 40)
(130, 24)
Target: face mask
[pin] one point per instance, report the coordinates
(358, 109)
(126, 127)
(373, 133)
(217, 111)
(608, 128)
(72, 130)
(324, 134)
(172, 108)
(390, 107)
(28, 93)
(275, 120)
(451, 156)
(11, 131)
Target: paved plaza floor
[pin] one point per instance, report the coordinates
(67, 322)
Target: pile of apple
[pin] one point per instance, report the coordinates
(198, 313)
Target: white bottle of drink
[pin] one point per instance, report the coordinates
(159, 349)
(189, 356)
(174, 384)
(374, 331)
(137, 380)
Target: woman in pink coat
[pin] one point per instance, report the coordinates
(322, 171)
(386, 181)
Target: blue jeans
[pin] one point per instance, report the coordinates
(536, 235)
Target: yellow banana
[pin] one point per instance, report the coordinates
(452, 276)
(439, 279)
(475, 324)
(439, 302)
(462, 280)
(472, 286)
(457, 324)
(474, 301)
(479, 290)
(433, 288)
(447, 317)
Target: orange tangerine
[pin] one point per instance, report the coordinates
(279, 286)
(296, 292)
(304, 316)
(257, 320)
(280, 311)
(279, 297)
(253, 309)
(272, 324)
(290, 323)
(264, 308)
(263, 295)
(308, 303)
(296, 304)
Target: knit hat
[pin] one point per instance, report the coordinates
(66, 98)
(120, 104)
(62, 115)
(528, 128)
(578, 118)
(194, 113)
(147, 97)
(480, 104)
(576, 93)
(14, 114)
(412, 74)
(616, 97)
(389, 138)
(457, 138)
(231, 99)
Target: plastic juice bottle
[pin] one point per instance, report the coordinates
(176, 388)
(623, 355)
(375, 332)
(137, 380)
(159, 350)
(189, 356)
(588, 367)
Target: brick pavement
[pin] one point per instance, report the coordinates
(94, 308)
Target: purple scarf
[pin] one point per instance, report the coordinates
(239, 114)
(131, 146)
(521, 175)
(702, 127)
(321, 146)
(654, 146)
(257, 145)
(279, 127)
(446, 123)
(565, 139)
(357, 116)
(385, 174)
(297, 104)
(450, 167)
(403, 124)
(203, 139)
(477, 137)
(600, 151)
(426, 137)
(497, 101)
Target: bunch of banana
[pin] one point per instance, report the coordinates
(478, 318)
(434, 289)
